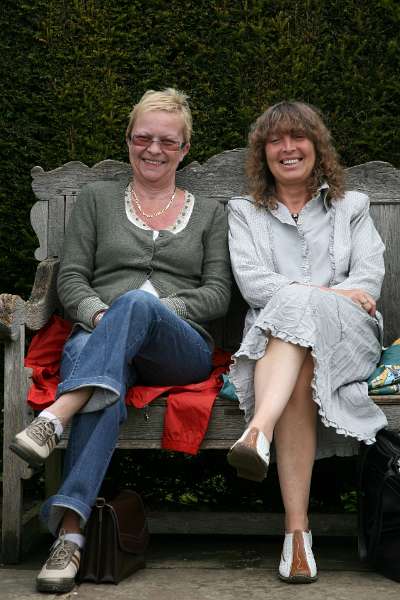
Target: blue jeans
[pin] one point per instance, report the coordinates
(137, 340)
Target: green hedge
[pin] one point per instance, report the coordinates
(71, 69)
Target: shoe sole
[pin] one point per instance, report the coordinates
(56, 586)
(298, 578)
(26, 455)
(247, 463)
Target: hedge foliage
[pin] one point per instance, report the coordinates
(71, 70)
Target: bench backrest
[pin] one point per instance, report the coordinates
(222, 176)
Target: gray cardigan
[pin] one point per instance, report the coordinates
(355, 249)
(106, 255)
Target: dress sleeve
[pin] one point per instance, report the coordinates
(77, 265)
(253, 269)
(367, 267)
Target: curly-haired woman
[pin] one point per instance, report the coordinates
(309, 262)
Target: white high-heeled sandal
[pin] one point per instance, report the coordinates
(249, 455)
(297, 560)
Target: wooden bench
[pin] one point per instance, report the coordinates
(221, 176)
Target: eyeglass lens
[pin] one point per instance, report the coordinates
(166, 143)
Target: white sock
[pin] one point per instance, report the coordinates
(55, 420)
(77, 538)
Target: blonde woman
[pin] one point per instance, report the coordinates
(145, 267)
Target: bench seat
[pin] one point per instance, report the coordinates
(143, 429)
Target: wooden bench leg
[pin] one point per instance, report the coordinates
(12, 512)
(13, 468)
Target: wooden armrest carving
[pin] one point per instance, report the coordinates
(43, 300)
(12, 316)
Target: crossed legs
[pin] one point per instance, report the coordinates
(138, 337)
(64, 409)
(285, 411)
(295, 445)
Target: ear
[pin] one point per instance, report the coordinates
(184, 151)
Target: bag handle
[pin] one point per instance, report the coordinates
(100, 504)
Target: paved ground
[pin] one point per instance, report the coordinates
(212, 568)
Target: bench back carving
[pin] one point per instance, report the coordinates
(221, 177)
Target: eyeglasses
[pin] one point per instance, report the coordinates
(165, 143)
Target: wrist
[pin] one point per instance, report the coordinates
(97, 317)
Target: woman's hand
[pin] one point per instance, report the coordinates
(362, 298)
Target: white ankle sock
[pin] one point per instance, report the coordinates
(77, 538)
(47, 414)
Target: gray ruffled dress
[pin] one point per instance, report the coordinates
(332, 244)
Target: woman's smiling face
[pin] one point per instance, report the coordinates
(290, 157)
(156, 164)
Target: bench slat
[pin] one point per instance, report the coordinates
(144, 427)
(244, 523)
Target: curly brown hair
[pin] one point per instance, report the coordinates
(292, 117)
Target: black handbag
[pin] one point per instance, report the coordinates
(116, 539)
(379, 504)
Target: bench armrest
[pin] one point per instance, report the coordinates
(34, 313)
(43, 300)
(12, 316)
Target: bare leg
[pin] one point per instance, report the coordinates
(67, 405)
(274, 381)
(71, 522)
(295, 443)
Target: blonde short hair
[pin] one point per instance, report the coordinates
(170, 100)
